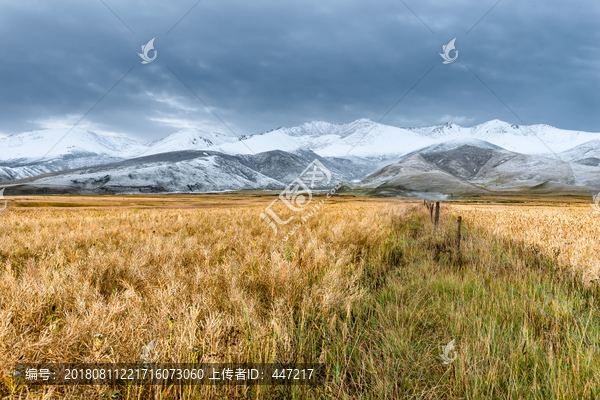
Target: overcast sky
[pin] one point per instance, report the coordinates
(263, 64)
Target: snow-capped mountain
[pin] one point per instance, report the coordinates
(38, 152)
(368, 139)
(33, 153)
(473, 170)
(52, 144)
(357, 148)
(451, 168)
(360, 138)
(192, 171)
(188, 139)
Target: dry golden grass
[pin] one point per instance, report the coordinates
(569, 234)
(95, 285)
(365, 286)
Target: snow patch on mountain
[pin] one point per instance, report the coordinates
(188, 139)
(586, 154)
(60, 143)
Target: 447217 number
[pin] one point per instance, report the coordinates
(290, 373)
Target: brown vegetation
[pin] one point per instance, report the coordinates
(569, 234)
(365, 286)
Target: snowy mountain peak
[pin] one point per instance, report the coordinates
(439, 131)
(366, 138)
(319, 128)
(312, 128)
(33, 145)
(188, 139)
(361, 122)
(496, 127)
(499, 124)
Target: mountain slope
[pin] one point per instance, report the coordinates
(188, 139)
(28, 147)
(37, 152)
(414, 176)
(192, 171)
(184, 171)
(472, 170)
(585, 154)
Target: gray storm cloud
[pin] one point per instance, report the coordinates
(263, 64)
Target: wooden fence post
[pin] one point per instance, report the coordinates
(458, 235)
(430, 205)
(437, 214)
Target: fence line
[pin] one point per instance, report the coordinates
(583, 338)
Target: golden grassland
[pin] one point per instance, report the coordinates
(365, 286)
(150, 201)
(569, 233)
(95, 285)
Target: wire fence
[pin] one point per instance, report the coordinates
(474, 243)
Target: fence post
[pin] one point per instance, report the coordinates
(437, 214)
(430, 206)
(458, 235)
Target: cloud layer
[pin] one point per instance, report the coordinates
(263, 64)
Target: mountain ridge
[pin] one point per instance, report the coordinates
(365, 144)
